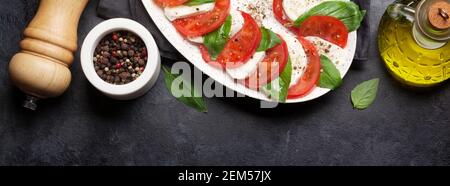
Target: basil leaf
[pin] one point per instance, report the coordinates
(278, 88)
(365, 94)
(216, 40)
(346, 11)
(198, 2)
(268, 40)
(264, 40)
(330, 77)
(187, 88)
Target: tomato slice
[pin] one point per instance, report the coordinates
(326, 27)
(312, 73)
(170, 3)
(270, 67)
(241, 47)
(202, 24)
(205, 55)
(278, 10)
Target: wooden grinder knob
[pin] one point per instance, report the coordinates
(41, 68)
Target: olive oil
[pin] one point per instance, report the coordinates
(411, 58)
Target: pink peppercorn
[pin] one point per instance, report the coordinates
(115, 37)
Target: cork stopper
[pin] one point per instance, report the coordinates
(439, 15)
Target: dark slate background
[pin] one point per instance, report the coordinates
(403, 127)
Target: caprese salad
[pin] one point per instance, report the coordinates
(284, 48)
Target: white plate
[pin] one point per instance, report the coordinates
(192, 53)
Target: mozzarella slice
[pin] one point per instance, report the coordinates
(247, 69)
(298, 57)
(296, 8)
(198, 40)
(173, 13)
(237, 22)
(336, 54)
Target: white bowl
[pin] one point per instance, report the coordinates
(136, 88)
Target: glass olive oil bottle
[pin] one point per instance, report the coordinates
(413, 40)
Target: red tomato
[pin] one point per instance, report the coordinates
(270, 67)
(170, 3)
(278, 10)
(202, 24)
(205, 53)
(241, 47)
(326, 27)
(312, 73)
(207, 57)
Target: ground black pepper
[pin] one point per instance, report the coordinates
(120, 58)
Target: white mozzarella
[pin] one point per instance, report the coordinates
(198, 40)
(237, 22)
(336, 54)
(173, 13)
(298, 57)
(247, 69)
(296, 8)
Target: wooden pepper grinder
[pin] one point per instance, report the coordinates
(41, 68)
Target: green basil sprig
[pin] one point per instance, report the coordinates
(346, 11)
(268, 40)
(187, 89)
(278, 88)
(216, 40)
(365, 94)
(330, 77)
(198, 2)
